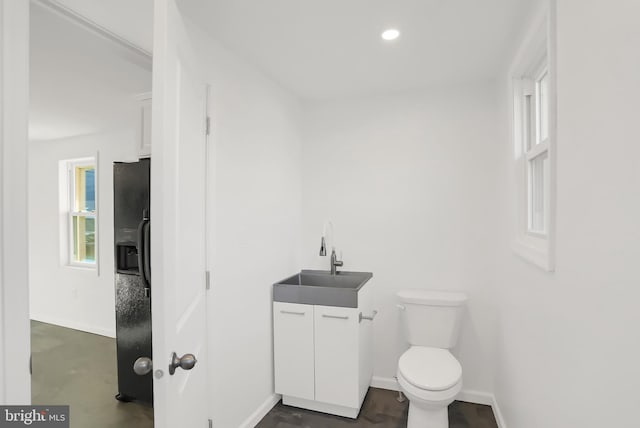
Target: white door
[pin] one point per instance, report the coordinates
(178, 259)
(15, 381)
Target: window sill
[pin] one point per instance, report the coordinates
(534, 253)
(82, 267)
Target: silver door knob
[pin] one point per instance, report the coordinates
(186, 362)
(142, 366)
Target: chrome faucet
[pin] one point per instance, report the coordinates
(334, 262)
(323, 250)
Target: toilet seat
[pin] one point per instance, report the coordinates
(424, 397)
(430, 369)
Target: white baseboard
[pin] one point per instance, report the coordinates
(316, 406)
(389, 383)
(261, 411)
(498, 414)
(476, 397)
(75, 325)
(468, 395)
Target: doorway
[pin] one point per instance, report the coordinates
(89, 97)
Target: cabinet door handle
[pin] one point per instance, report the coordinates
(370, 318)
(335, 316)
(292, 313)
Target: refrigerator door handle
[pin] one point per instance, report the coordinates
(147, 252)
(141, 248)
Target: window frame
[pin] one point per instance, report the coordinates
(71, 212)
(535, 59)
(534, 146)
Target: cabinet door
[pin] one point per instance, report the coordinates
(144, 148)
(365, 306)
(293, 349)
(336, 351)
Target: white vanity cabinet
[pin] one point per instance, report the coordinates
(323, 355)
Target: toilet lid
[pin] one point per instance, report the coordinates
(432, 369)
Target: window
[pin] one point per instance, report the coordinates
(533, 126)
(81, 212)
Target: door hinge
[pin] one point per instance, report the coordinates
(208, 126)
(207, 278)
(210, 423)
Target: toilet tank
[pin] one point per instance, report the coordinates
(432, 318)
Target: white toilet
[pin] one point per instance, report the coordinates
(428, 374)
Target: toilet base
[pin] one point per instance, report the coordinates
(421, 417)
(428, 409)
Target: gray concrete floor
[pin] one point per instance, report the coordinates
(78, 369)
(380, 410)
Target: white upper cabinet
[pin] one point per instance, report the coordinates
(144, 125)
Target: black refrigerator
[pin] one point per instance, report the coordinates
(131, 197)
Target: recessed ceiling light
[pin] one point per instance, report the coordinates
(390, 34)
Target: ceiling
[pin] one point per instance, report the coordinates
(81, 82)
(317, 49)
(332, 48)
(131, 20)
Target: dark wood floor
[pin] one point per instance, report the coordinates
(380, 410)
(78, 369)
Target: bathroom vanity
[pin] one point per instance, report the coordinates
(323, 334)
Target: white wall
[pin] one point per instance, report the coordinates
(416, 186)
(407, 181)
(73, 297)
(255, 209)
(568, 347)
